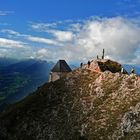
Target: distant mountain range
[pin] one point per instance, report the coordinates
(17, 80)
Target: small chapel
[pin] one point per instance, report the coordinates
(60, 69)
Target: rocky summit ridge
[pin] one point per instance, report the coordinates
(82, 105)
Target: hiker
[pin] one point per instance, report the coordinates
(103, 54)
(88, 64)
(122, 70)
(81, 65)
(132, 71)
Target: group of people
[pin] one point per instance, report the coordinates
(81, 64)
(122, 69)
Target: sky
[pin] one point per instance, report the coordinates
(74, 30)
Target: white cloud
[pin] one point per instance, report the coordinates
(119, 37)
(3, 52)
(4, 13)
(75, 27)
(42, 40)
(43, 53)
(13, 48)
(7, 43)
(52, 28)
(11, 32)
(43, 26)
(62, 35)
(50, 25)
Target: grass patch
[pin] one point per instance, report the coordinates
(2, 98)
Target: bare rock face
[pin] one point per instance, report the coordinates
(83, 105)
(130, 124)
(130, 121)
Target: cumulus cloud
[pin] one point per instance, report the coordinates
(62, 35)
(119, 37)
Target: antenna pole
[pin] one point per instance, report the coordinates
(103, 54)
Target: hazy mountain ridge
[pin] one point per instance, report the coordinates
(7, 61)
(82, 105)
(20, 79)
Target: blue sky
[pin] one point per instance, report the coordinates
(53, 10)
(75, 30)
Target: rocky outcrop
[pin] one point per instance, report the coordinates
(130, 124)
(82, 105)
(101, 65)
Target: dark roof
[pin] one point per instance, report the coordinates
(61, 66)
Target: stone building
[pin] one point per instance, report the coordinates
(60, 68)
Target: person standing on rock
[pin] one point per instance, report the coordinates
(88, 64)
(122, 70)
(81, 65)
(132, 71)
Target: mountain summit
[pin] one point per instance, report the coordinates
(82, 105)
(101, 65)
